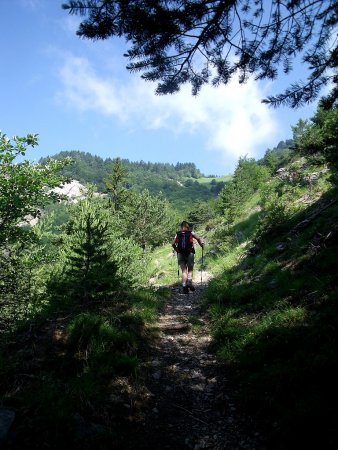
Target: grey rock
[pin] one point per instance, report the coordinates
(157, 375)
(6, 419)
(281, 246)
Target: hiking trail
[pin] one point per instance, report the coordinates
(181, 399)
(190, 404)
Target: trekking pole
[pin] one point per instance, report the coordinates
(178, 268)
(202, 265)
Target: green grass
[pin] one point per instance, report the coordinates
(196, 323)
(163, 266)
(207, 180)
(146, 304)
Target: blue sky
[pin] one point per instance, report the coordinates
(77, 95)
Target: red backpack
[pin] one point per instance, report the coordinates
(184, 242)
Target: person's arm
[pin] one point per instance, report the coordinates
(198, 239)
(173, 244)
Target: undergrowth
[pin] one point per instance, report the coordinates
(62, 376)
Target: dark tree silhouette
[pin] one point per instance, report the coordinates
(203, 41)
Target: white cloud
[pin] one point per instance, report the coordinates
(85, 91)
(31, 4)
(232, 118)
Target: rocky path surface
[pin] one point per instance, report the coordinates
(190, 404)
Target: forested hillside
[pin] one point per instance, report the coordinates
(178, 183)
(81, 291)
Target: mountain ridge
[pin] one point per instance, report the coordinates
(182, 184)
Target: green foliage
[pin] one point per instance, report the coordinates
(19, 285)
(230, 202)
(248, 178)
(94, 252)
(23, 185)
(25, 188)
(145, 307)
(275, 319)
(147, 219)
(272, 305)
(279, 156)
(166, 178)
(115, 182)
(53, 219)
(131, 261)
(162, 268)
(277, 206)
(100, 345)
(201, 213)
(320, 136)
(89, 267)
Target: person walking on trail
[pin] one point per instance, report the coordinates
(183, 244)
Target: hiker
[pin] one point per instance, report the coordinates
(183, 244)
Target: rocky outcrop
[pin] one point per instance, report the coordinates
(73, 191)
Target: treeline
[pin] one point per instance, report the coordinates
(90, 168)
(178, 183)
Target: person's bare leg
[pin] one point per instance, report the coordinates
(184, 270)
(189, 278)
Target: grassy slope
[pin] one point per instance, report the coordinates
(275, 318)
(207, 180)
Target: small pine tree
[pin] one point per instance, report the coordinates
(90, 270)
(115, 182)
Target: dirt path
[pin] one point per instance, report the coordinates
(190, 406)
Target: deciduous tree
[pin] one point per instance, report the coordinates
(147, 219)
(25, 187)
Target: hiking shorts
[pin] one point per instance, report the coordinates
(186, 260)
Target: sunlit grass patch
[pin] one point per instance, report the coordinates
(147, 303)
(100, 344)
(207, 180)
(163, 268)
(288, 317)
(246, 339)
(196, 323)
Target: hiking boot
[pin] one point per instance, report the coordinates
(191, 287)
(185, 290)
